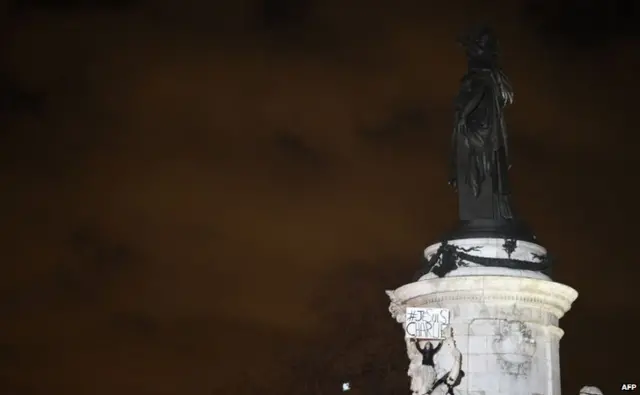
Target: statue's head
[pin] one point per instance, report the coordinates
(480, 43)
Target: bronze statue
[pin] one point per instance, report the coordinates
(479, 166)
(480, 154)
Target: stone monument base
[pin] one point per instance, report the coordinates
(504, 321)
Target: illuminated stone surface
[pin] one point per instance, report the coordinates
(504, 321)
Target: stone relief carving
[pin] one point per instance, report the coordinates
(421, 353)
(453, 373)
(514, 346)
(589, 390)
(396, 308)
(421, 365)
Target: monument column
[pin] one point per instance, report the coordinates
(482, 316)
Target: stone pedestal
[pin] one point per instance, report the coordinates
(504, 321)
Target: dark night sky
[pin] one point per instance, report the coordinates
(209, 199)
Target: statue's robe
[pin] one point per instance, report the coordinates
(480, 146)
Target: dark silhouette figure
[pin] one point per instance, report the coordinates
(480, 154)
(428, 352)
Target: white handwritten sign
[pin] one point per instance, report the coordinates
(426, 323)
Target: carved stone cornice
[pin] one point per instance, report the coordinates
(547, 295)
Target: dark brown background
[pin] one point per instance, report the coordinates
(210, 199)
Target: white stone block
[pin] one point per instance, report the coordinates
(478, 363)
(478, 345)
